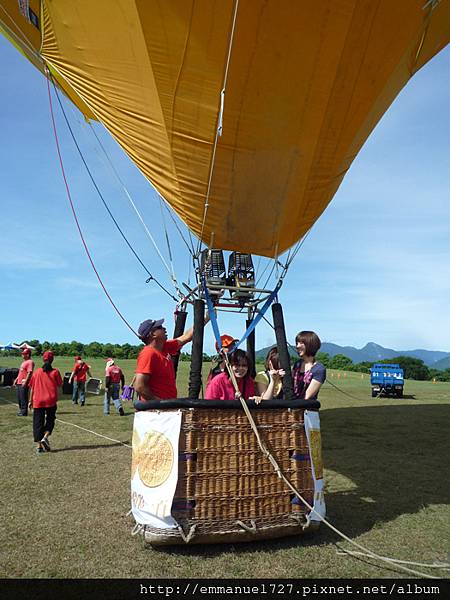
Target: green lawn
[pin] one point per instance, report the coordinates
(387, 482)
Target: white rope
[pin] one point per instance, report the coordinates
(190, 248)
(169, 249)
(128, 195)
(262, 273)
(405, 562)
(79, 427)
(219, 123)
(432, 3)
(297, 248)
(94, 433)
(270, 275)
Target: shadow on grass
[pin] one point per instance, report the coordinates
(394, 457)
(382, 462)
(86, 447)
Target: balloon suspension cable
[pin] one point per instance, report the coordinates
(431, 5)
(151, 277)
(169, 249)
(293, 253)
(190, 247)
(69, 196)
(136, 210)
(219, 127)
(261, 275)
(274, 264)
(284, 267)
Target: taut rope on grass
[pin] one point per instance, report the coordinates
(94, 433)
(350, 395)
(394, 560)
(79, 427)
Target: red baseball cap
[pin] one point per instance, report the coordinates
(108, 359)
(26, 351)
(48, 356)
(227, 341)
(77, 358)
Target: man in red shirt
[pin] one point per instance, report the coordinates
(114, 378)
(44, 386)
(22, 382)
(155, 376)
(78, 376)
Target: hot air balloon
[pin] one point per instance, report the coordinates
(245, 116)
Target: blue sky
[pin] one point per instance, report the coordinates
(374, 268)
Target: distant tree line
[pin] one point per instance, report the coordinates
(413, 368)
(92, 350)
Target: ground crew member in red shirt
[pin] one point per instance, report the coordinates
(155, 376)
(114, 378)
(22, 382)
(44, 386)
(78, 376)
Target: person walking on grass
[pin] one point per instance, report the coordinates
(44, 384)
(114, 379)
(22, 382)
(78, 376)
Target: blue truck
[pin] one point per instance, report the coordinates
(386, 379)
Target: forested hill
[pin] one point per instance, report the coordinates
(372, 352)
(422, 364)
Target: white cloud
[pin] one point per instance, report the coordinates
(74, 283)
(15, 257)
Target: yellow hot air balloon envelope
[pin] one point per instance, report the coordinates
(304, 85)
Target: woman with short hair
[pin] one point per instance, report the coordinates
(308, 374)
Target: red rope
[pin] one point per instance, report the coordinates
(75, 215)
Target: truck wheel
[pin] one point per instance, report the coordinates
(399, 393)
(374, 394)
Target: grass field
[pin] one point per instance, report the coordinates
(387, 487)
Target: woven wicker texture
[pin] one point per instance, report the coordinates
(224, 477)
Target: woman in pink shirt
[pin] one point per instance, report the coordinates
(221, 387)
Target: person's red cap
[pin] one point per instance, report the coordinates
(227, 341)
(108, 359)
(77, 358)
(25, 351)
(48, 356)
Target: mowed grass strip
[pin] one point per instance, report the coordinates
(387, 487)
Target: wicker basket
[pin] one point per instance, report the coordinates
(227, 489)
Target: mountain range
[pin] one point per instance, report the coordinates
(372, 352)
